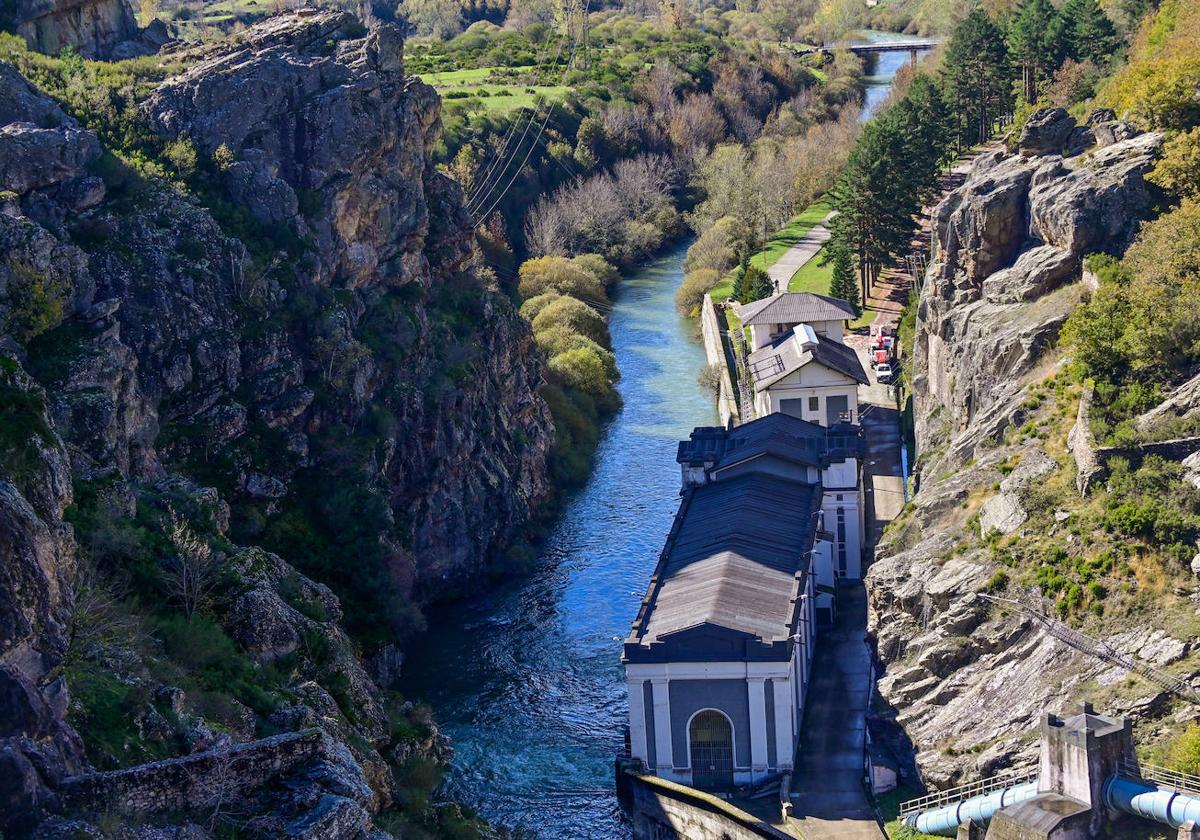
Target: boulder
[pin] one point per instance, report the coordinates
(1036, 272)
(1183, 402)
(1046, 132)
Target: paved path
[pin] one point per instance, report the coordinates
(881, 421)
(796, 256)
(828, 799)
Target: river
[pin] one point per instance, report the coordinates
(882, 68)
(526, 680)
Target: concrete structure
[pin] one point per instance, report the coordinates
(807, 375)
(773, 317)
(1081, 758)
(720, 656)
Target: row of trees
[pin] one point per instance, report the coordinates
(891, 172)
(987, 67)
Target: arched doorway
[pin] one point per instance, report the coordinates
(710, 739)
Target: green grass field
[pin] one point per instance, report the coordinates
(492, 92)
(777, 246)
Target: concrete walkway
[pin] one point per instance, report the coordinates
(828, 797)
(796, 256)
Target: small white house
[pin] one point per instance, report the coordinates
(771, 318)
(807, 375)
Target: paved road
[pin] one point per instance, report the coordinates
(828, 799)
(796, 256)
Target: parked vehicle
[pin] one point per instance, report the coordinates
(880, 357)
(884, 374)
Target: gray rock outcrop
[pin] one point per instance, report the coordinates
(338, 343)
(964, 678)
(1009, 246)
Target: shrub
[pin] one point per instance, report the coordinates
(1178, 170)
(604, 271)
(559, 274)
(532, 307)
(35, 305)
(557, 340)
(695, 285)
(575, 315)
(583, 369)
(1183, 751)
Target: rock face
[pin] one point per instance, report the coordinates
(1009, 246)
(337, 350)
(93, 28)
(964, 678)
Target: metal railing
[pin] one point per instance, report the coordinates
(1103, 650)
(745, 389)
(967, 791)
(1163, 777)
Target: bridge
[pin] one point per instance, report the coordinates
(911, 46)
(914, 45)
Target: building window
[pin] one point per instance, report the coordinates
(841, 538)
(814, 403)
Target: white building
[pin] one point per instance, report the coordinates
(719, 658)
(807, 375)
(771, 318)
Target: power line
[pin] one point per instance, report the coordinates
(529, 152)
(477, 193)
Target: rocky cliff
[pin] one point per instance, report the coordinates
(93, 28)
(225, 395)
(997, 512)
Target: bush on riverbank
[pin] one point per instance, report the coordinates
(581, 368)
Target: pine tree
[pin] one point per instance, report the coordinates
(756, 285)
(1090, 35)
(976, 76)
(1035, 37)
(843, 285)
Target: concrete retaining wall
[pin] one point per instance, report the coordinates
(662, 810)
(714, 350)
(194, 781)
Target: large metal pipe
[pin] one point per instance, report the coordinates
(945, 820)
(1143, 799)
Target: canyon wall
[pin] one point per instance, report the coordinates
(966, 678)
(294, 354)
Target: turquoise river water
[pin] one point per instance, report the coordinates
(526, 679)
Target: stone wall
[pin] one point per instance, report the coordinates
(660, 809)
(1091, 461)
(195, 781)
(714, 351)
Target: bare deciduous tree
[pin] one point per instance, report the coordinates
(191, 570)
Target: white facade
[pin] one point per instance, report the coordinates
(812, 393)
(763, 334)
(774, 697)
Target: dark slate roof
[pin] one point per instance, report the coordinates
(785, 355)
(794, 308)
(735, 559)
(781, 435)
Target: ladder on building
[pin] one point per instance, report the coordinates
(745, 394)
(1102, 650)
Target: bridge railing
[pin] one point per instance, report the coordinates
(967, 791)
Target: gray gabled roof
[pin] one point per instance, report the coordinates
(736, 554)
(786, 355)
(794, 308)
(780, 435)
